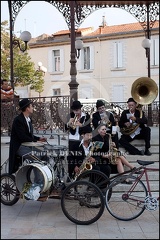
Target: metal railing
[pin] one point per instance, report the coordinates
(50, 112)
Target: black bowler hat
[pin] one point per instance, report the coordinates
(86, 129)
(99, 103)
(76, 105)
(131, 100)
(24, 103)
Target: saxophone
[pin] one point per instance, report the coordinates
(86, 165)
(114, 152)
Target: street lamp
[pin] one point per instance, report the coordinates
(41, 68)
(146, 43)
(78, 47)
(25, 37)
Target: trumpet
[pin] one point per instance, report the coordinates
(74, 122)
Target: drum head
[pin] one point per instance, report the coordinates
(33, 144)
(59, 147)
(34, 173)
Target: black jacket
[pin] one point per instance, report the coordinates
(123, 119)
(19, 134)
(85, 120)
(96, 118)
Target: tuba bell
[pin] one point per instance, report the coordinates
(144, 91)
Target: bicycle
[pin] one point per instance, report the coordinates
(82, 201)
(128, 202)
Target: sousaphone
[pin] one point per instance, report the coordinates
(144, 91)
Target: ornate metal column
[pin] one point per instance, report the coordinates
(11, 44)
(73, 70)
(150, 122)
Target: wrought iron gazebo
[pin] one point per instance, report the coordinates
(75, 12)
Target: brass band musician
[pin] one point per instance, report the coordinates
(107, 118)
(133, 123)
(75, 123)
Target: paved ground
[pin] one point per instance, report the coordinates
(45, 220)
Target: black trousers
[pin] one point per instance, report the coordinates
(144, 134)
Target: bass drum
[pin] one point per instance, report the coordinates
(37, 173)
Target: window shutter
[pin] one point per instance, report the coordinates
(91, 57)
(156, 50)
(50, 61)
(115, 55)
(61, 60)
(120, 55)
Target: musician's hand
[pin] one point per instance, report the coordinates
(133, 118)
(113, 144)
(127, 124)
(76, 169)
(70, 122)
(78, 124)
(106, 156)
(91, 160)
(43, 139)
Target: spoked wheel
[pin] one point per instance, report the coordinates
(96, 177)
(127, 202)
(9, 192)
(82, 202)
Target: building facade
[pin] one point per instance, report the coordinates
(112, 58)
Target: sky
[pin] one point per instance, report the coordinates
(40, 17)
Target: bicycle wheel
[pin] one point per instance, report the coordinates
(127, 202)
(79, 202)
(96, 177)
(9, 192)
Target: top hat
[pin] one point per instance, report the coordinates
(86, 129)
(24, 103)
(99, 103)
(131, 100)
(76, 105)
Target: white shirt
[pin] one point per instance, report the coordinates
(76, 136)
(28, 120)
(86, 149)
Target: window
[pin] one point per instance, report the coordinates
(86, 60)
(56, 92)
(56, 60)
(118, 55)
(154, 52)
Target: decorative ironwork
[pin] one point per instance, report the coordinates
(82, 12)
(50, 113)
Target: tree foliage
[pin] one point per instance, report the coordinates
(24, 70)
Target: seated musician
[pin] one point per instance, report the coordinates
(134, 127)
(103, 116)
(22, 131)
(79, 154)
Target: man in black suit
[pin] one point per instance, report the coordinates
(106, 117)
(75, 123)
(85, 152)
(22, 131)
(133, 117)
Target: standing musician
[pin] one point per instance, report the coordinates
(103, 116)
(76, 120)
(134, 119)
